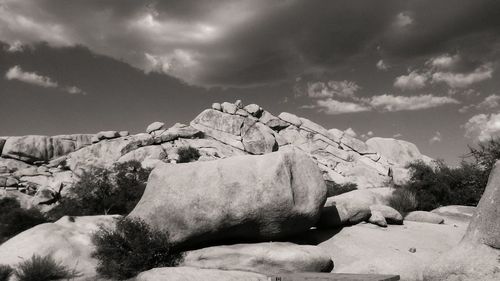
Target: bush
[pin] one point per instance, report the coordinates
(43, 268)
(131, 248)
(187, 154)
(5, 272)
(403, 200)
(334, 189)
(102, 191)
(14, 219)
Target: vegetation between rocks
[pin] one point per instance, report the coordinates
(5, 272)
(132, 247)
(102, 191)
(44, 268)
(14, 219)
(188, 154)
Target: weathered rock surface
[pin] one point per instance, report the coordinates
(398, 152)
(267, 258)
(67, 241)
(476, 257)
(155, 126)
(423, 216)
(391, 215)
(246, 197)
(377, 218)
(196, 274)
(455, 212)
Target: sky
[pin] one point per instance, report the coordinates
(418, 70)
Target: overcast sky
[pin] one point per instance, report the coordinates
(425, 71)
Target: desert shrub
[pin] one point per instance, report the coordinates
(14, 219)
(5, 272)
(188, 154)
(334, 188)
(132, 247)
(404, 200)
(485, 154)
(44, 268)
(104, 191)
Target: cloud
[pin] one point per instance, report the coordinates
(403, 19)
(390, 103)
(483, 127)
(490, 102)
(412, 81)
(445, 61)
(350, 132)
(381, 65)
(16, 73)
(462, 80)
(436, 138)
(332, 89)
(334, 107)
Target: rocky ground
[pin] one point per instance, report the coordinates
(260, 183)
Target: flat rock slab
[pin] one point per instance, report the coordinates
(333, 277)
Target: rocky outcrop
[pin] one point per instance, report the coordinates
(267, 258)
(476, 257)
(67, 240)
(226, 199)
(195, 274)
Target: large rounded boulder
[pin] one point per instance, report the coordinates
(259, 198)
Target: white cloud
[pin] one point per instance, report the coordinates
(16, 73)
(445, 61)
(350, 132)
(403, 19)
(412, 81)
(333, 107)
(462, 80)
(490, 102)
(483, 127)
(332, 88)
(381, 65)
(392, 103)
(16, 46)
(436, 138)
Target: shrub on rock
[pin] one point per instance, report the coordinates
(187, 154)
(14, 219)
(403, 200)
(43, 268)
(132, 247)
(5, 272)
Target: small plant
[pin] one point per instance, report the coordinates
(334, 189)
(403, 200)
(44, 268)
(5, 272)
(188, 154)
(14, 219)
(132, 247)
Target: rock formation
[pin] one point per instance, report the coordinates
(226, 199)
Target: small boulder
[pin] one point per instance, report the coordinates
(268, 258)
(254, 110)
(238, 104)
(123, 133)
(423, 216)
(290, 118)
(155, 126)
(216, 106)
(229, 108)
(106, 135)
(391, 215)
(259, 139)
(377, 218)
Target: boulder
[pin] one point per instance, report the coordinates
(456, 212)
(247, 197)
(68, 240)
(238, 104)
(391, 215)
(397, 152)
(290, 118)
(423, 216)
(254, 110)
(349, 208)
(179, 131)
(13, 165)
(219, 121)
(23, 199)
(378, 219)
(106, 135)
(259, 139)
(196, 274)
(143, 153)
(123, 133)
(216, 106)
(28, 148)
(268, 258)
(155, 126)
(229, 108)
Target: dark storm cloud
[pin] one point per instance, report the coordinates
(244, 43)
